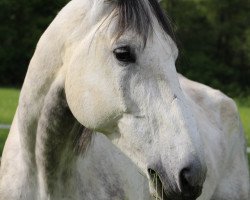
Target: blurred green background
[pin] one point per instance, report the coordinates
(213, 38)
(213, 35)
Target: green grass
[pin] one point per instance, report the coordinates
(3, 137)
(8, 104)
(244, 109)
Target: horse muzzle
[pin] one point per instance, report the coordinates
(187, 186)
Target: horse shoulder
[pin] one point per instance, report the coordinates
(225, 144)
(221, 109)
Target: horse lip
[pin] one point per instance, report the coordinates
(161, 194)
(160, 191)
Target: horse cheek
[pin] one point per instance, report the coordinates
(93, 101)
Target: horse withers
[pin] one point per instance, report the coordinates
(108, 66)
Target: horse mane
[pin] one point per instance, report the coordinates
(135, 15)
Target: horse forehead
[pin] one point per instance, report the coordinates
(142, 17)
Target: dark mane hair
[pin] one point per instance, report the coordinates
(134, 15)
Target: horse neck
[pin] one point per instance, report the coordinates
(50, 135)
(45, 76)
(53, 139)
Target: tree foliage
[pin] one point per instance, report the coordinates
(214, 43)
(214, 39)
(22, 23)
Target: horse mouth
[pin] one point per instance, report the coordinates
(159, 193)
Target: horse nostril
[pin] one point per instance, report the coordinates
(190, 187)
(185, 182)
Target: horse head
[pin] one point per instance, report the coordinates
(121, 81)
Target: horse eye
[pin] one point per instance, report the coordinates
(124, 54)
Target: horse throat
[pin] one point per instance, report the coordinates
(59, 140)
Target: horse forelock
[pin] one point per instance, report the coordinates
(136, 15)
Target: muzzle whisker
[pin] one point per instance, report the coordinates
(156, 186)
